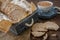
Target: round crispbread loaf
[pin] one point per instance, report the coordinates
(38, 34)
(38, 27)
(38, 30)
(51, 25)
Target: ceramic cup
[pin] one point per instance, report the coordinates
(45, 6)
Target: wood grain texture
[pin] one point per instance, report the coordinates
(26, 35)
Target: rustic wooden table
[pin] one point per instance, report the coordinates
(26, 35)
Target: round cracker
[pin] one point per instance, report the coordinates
(51, 25)
(38, 27)
(38, 34)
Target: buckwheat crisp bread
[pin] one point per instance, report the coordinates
(4, 4)
(51, 26)
(5, 25)
(38, 27)
(17, 14)
(8, 8)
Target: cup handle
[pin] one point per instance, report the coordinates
(58, 8)
(29, 25)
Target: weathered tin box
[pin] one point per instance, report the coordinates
(24, 24)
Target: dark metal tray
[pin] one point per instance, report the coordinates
(24, 24)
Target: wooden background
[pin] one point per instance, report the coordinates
(26, 35)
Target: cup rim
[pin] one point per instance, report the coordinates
(45, 1)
